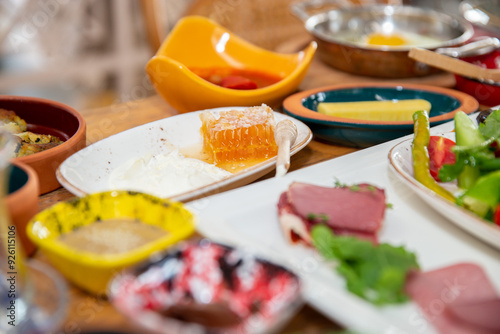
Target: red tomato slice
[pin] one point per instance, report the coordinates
(497, 149)
(496, 218)
(439, 154)
(237, 82)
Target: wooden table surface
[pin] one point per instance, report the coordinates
(88, 313)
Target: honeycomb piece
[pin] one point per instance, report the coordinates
(239, 135)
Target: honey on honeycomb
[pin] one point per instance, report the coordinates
(239, 135)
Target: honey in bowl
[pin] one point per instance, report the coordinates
(112, 236)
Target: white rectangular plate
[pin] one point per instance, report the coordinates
(88, 170)
(247, 217)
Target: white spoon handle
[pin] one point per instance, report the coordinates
(286, 134)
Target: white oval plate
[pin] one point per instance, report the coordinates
(88, 170)
(400, 159)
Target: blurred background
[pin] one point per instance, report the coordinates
(84, 53)
(91, 53)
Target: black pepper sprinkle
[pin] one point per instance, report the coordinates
(59, 227)
(74, 202)
(133, 193)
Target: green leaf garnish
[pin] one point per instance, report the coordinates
(321, 217)
(376, 273)
(354, 187)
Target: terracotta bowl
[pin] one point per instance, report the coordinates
(54, 118)
(22, 200)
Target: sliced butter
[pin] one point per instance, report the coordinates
(390, 110)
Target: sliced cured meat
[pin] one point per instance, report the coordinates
(457, 299)
(295, 228)
(483, 314)
(356, 210)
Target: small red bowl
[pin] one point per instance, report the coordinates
(52, 118)
(487, 94)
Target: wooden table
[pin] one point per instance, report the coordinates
(86, 312)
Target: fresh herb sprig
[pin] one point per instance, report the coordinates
(376, 273)
(322, 217)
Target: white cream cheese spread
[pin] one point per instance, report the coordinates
(165, 175)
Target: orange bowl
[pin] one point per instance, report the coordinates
(53, 118)
(197, 42)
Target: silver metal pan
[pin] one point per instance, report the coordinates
(341, 34)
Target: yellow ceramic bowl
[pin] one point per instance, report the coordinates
(91, 271)
(197, 42)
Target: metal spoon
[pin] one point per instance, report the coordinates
(479, 47)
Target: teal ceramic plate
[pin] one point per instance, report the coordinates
(359, 133)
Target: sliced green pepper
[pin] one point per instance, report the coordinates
(468, 134)
(484, 196)
(421, 156)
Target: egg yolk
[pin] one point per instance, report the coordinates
(381, 39)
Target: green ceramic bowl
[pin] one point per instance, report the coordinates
(359, 133)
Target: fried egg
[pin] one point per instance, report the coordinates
(398, 39)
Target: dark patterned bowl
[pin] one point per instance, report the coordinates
(207, 287)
